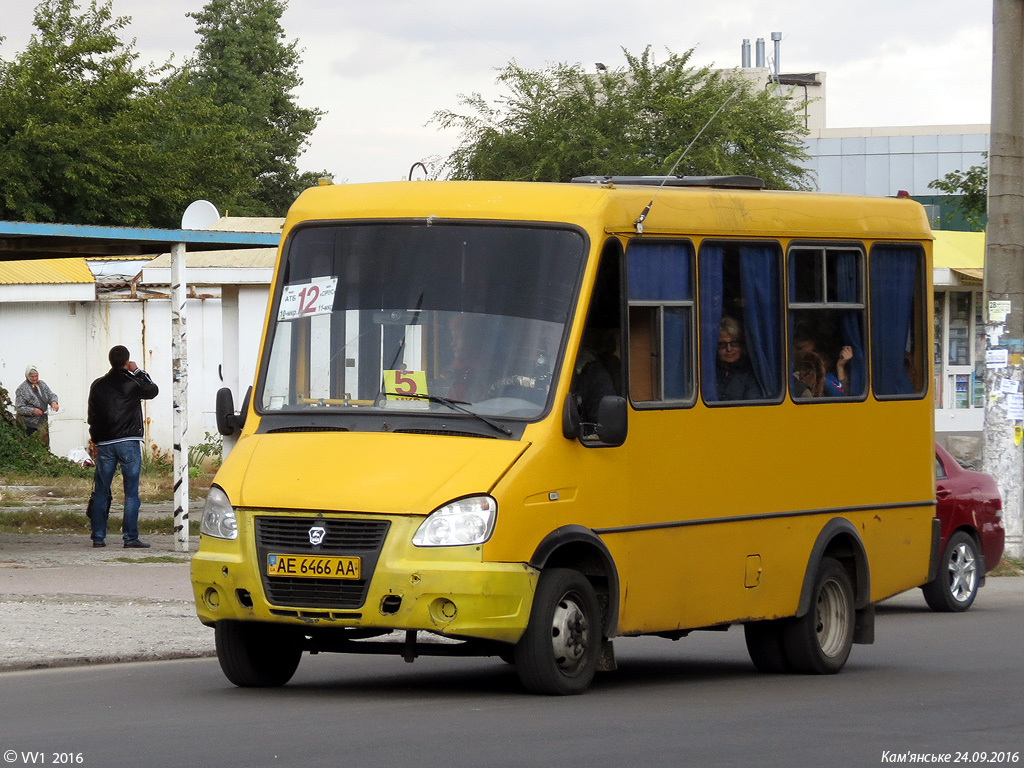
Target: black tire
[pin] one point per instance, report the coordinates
(558, 652)
(254, 655)
(765, 645)
(819, 642)
(956, 584)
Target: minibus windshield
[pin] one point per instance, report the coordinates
(420, 317)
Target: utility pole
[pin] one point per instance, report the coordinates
(179, 370)
(1003, 453)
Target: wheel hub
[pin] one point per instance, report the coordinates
(569, 634)
(963, 573)
(832, 618)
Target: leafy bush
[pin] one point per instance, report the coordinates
(23, 453)
(210, 449)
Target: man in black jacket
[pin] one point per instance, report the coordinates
(116, 429)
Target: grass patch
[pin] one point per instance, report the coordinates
(42, 521)
(152, 559)
(1008, 566)
(65, 521)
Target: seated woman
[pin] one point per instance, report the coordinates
(835, 384)
(734, 377)
(808, 375)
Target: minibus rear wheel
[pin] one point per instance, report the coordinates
(255, 655)
(765, 645)
(559, 650)
(819, 642)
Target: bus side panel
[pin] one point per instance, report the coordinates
(743, 494)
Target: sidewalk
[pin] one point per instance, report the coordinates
(64, 603)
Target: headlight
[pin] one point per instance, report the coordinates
(218, 516)
(466, 521)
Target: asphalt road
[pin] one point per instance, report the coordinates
(944, 686)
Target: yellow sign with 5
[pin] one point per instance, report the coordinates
(405, 385)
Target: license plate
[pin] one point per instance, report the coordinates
(313, 566)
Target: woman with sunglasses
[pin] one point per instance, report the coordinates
(734, 376)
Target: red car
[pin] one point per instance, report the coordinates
(972, 540)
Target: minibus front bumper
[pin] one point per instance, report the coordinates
(446, 590)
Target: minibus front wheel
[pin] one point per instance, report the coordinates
(558, 652)
(257, 655)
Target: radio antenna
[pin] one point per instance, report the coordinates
(643, 214)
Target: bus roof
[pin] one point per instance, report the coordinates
(606, 207)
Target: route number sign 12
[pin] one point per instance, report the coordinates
(305, 299)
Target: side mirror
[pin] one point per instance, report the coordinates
(612, 420)
(610, 430)
(228, 422)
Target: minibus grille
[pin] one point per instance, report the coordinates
(344, 536)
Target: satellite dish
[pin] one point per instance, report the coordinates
(200, 214)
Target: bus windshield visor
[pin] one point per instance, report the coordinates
(421, 317)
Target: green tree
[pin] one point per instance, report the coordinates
(971, 187)
(243, 61)
(86, 136)
(560, 122)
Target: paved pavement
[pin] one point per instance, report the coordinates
(63, 603)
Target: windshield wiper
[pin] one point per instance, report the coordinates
(456, 405)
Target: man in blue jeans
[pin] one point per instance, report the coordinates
(116, 429)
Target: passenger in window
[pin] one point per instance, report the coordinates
(837, 379)
(808, 375)
(596, 372)
(735, 379)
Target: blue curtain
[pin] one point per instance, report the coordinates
(759, 286)
(676, 330)
(850, 322)
(662, 272)
(894, 272)
(658, 271)
(759, 289)
(710, 279)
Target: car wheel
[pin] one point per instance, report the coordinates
(819, 642)
(559, 650)
(765, 645)
(254, 655)
(956, 585)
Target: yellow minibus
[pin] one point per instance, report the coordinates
(523, 419)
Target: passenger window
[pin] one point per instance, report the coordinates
(898, 331)
(659, 276)
(826, 322)
(741, 322)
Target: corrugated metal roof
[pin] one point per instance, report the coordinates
(241, 258)
(246, 224)
(45, 272)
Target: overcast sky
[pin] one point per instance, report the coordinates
(380, 69)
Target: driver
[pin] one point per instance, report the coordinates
(470, 370)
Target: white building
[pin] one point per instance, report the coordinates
(63, 315)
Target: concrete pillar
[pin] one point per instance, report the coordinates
(1003, 453)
